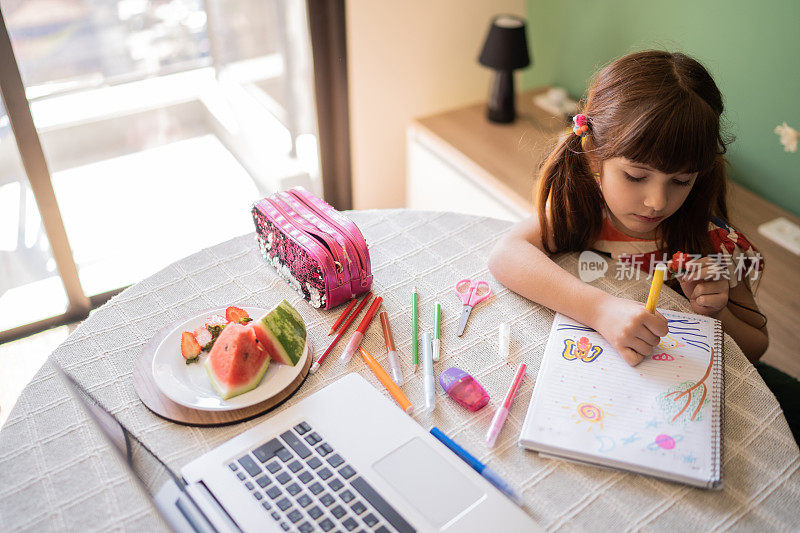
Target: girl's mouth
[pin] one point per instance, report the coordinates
(649, 220)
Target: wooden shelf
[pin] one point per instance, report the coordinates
(504, 159)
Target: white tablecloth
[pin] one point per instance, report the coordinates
(57, 473)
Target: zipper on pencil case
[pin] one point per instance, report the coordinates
(323, 225)
(328, 219)
(321, 242)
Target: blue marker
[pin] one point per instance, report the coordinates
(490, 475)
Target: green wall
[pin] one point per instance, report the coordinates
(751, 48)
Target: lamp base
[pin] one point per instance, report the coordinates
(501, 98)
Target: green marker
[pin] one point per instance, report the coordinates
(437, 331)
(414, 352)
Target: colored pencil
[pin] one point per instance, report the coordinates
(414, 333)
(358, 336)
(655, 287)
(341, 333)
(384, 378)
(342, 317)
(437, 330)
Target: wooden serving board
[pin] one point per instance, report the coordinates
(164, 407)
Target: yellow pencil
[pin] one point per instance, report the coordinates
(655, 287)
(384, 378)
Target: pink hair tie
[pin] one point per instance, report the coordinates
(581, 126)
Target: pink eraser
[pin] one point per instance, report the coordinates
(463, 388)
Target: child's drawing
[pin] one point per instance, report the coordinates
(590, 414)
(663, 357)
(575, 327)
(631, 438)
(664, 442)
(581, 349)
(689, 394)
(668, 342)
(606, 443)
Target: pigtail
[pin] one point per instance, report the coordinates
(570, 194)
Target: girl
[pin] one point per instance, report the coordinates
(641, 175)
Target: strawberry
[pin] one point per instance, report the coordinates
(678, 263)
(190, 348)
(235, 314)
(203, 337)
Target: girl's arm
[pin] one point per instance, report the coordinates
(518, 262)
(710, 295)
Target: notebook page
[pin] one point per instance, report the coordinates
(656, 417)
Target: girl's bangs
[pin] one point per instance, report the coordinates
(678, 137)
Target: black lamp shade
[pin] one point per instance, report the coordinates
(506, 47)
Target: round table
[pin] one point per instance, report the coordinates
(57, 472)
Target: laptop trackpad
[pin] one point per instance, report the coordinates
(434, 488)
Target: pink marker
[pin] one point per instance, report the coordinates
(355, 340)
(502, 412)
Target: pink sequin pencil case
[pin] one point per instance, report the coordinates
(320, 252)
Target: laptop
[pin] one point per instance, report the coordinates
(343, 459)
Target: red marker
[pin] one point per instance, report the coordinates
(341, 318)
(355, 341)
(344, 327)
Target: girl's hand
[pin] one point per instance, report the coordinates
(630, 328)
(705, 287)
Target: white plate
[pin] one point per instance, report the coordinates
(189, 385)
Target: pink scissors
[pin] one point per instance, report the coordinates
(471, 294)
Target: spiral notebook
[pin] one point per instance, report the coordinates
(662, 417)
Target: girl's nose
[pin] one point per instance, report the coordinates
(656, 199)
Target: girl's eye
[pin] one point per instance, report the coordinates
(682, 183)
(633, 178)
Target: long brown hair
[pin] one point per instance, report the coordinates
(657, 108)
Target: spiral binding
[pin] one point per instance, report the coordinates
(718, 391)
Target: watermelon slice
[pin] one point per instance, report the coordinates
(282, 333)
(235, 364)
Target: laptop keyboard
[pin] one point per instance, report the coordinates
(305, 485)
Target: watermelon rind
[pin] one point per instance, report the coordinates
(286, 330)
(226, 393)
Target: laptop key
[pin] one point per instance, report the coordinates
(294, 516)
(233, 466)
(326, 524)
(284, 454)
(346, 496)
(293, 489)
(304, 500)
(316, 488)
(241, 475)
(325, 473)
(296, 444)
(266, 505)
(285, 526)
(283, 478)
(338, 511)
(350, 524)
(381, 505)
(336, 484)
(249, 486)
(274, 467)
(294, 466)
(347, 472)
(274, 492)
(263, 481)
(266, 451)
(258, 495)
(335, 460)
(302, 428)
(327, 500)
(383, 529)
(358, 508)
(314, 462)
(313, 438)
(305, 527)
(252, 468)
(371, 520)
(315, 512)
(276, 515)
(324, 449)
(283, 504)
(305, 476)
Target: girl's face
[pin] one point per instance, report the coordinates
(639, 198)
